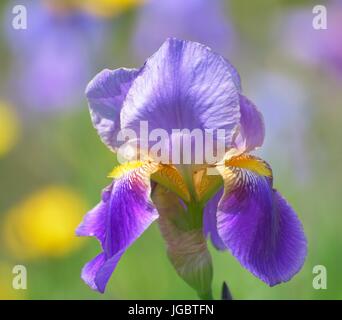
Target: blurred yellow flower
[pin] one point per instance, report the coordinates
(44, 224)
(109, 7)
(9, 128)
(105, 8)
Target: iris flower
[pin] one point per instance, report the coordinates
(186, 85)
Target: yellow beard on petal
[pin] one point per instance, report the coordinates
(124, 168)
(166, 175)
(251, 163)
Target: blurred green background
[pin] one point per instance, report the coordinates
(53, 166)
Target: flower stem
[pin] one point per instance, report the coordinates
(206, 296)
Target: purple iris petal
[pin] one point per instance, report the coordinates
(252, 129)
(210, 222)
(106, 93)
(120, 218)
(235, 75)
(196, 20)
(91, 269)
(94, 222)
(183, 85)
(260, 229)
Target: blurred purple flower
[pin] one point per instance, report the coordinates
(320, 47)
(53, 57)
(185, 85)
(196, 20)
(283, 97)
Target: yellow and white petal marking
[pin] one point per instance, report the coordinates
(249, 162)
(125, 168)
(206, 185)
(9, 128)
(165, 175)
(243, 171)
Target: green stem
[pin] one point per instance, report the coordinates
(206, 296)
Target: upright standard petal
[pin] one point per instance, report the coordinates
(124, 214)
(257, 225)
(105, 94)
(252, 130)
(184, 85)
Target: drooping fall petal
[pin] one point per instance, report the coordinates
(124, 213)
(256, 223)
